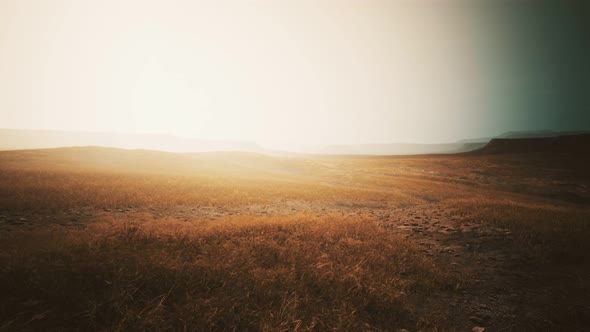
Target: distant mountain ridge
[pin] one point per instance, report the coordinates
(525, 134)
(399, 148)
(564, 144)
(464, 145)
(24, 139)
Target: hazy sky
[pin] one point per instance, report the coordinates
(290, 73)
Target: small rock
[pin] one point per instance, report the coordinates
(478, 329)
(447, 250)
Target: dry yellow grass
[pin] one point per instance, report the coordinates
(544, 232)
(297, 273)
(300, 268)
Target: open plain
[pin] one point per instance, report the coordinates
(114, 240)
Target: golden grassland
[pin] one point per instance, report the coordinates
(297, 272)
(269, 274)
(556, 234)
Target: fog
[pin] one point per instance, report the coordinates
(282, 74)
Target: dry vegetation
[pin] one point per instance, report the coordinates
(271, 274)
(105, 239)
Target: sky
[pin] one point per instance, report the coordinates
(295, 73)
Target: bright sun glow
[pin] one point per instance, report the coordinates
(274, 72)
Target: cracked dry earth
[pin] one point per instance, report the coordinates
(494, 295)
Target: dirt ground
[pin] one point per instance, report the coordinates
(503, 293)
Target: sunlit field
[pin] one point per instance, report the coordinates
(294, 165)
(98, 239)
